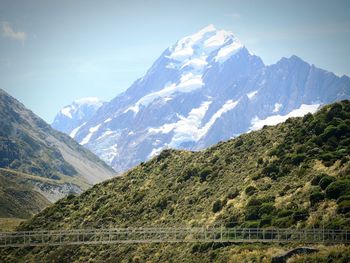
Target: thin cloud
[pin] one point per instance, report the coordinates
(9, 32)
(234, 15)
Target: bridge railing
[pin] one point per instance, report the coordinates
(163, 235)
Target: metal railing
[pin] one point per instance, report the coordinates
(168, 235)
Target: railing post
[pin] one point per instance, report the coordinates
(263, 232)
(346, 236)
(323, 234)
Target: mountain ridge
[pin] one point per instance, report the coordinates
(30, 146)
(190, 99)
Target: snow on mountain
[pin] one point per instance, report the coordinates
(275, 119)
(72, 117)
(205, 88)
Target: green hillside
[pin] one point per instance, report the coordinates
(19, 201)
(295, 174)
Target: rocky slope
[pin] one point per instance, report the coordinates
(205, 88)
(30, 146)
(295, 174)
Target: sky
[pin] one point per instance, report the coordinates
(54, 52)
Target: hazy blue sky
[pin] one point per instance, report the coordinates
(53, 52)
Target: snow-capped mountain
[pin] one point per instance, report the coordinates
(73, 116)
(205, 88)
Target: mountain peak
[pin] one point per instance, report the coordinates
(88, 101)
(292, 59)
(208, 28)
(204, 43)
(76, 114)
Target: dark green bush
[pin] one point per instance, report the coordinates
(272, 170)
(316, 197)
(308, 117)
(266, 209)
(316, 180)
(337, 189)
(252, 213)
(266, 220)
(284, 213)
(298, 158)
(250, 190)
(344, 207)
(164, 154)
(233, 194)
(231, 221)
(334, 111)
(343, 129)
(325, 181)
(217, 206)
(342, 198)
(187, 174)
(251, 224)
(254, 202)
(204, 174)
(329, 132)
(282, 222)
(300, 215)
(239, 142)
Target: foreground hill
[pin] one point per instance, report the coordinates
(295, 174)
(207, 87)
(31, 149)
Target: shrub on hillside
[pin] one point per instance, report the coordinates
(297, 158)
(233, 194)
(300, 215)
(316, 180)
(217, 206)
(187, 173)
(342, 198)
(325, 181)
(337, 189)
(250, 190)
(204, 174)
(316, 197)
(344, 207)
(266, 209)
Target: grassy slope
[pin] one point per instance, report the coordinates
(19, 200)
(295, 174)
(10, 224)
